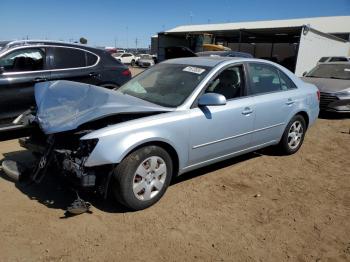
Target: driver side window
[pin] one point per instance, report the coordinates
(22, 60)
(229, 83)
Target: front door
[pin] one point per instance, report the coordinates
(21, 69)
(219, 131)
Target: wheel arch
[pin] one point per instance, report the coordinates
(306, 117)
(166, 146)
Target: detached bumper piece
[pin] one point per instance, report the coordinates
(12, 169)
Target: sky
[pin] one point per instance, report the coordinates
(120, 23)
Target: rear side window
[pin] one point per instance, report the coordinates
(263, 79)
(90, 59)
(338, 59)
(286, 82)
(68, 58)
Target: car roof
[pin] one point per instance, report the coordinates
(336, 63)
(210, 61)
(17, 43)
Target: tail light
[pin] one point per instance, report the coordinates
(126, 72)
(318, 95)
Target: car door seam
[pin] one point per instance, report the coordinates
(236, 136)
(229, 154)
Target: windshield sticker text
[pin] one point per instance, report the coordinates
(195, 70)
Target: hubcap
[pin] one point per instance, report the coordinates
(295, 134)
(149, 178)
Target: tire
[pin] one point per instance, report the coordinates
(292, 139)
(133, 63)
(142, 178)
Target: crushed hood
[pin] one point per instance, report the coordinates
(65, 105)
(328, 85)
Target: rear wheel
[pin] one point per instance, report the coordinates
(133, 63)
(293, 135)
(142, 178)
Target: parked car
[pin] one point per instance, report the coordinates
(328, 59)
(125, 58)
(177, 116)
(145, 60)
(333, 81)
(24, 63)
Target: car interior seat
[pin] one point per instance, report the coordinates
(229, 85)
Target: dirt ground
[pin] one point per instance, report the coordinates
(257, 207)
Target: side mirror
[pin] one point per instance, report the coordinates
(212, 99)
(305, 73)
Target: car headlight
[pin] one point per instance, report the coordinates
(345, 92)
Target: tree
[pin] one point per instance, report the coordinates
(83, 40)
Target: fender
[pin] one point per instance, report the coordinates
(113, 147)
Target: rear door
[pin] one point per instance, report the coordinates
(21, 69)
(275, 100)
(74, 64)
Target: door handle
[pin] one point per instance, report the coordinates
(39, 79)
(93, 74)
(247, 111)
(290, 102)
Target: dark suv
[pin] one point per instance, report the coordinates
(24, 63)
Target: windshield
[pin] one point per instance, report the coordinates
(339, 71)
(165, 84)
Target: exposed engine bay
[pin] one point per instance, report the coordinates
(66, 154)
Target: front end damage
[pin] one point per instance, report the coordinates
(57, 146)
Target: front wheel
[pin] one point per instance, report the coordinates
(293, 135)
(142, 178)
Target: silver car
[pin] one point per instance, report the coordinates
(333, 81)
(177, 116)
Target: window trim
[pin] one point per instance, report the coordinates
(48, 50)
(271, 92)
(217, 73)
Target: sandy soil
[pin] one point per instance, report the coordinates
(258, 207)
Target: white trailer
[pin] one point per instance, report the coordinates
(297, 48)
(314, 45)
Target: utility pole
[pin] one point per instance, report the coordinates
(127, 37)
(136, 41)
(191, 16)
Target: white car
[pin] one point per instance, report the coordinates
(145, 60)
(327, 59)
(125, 58)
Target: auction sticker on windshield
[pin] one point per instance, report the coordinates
(195, 70)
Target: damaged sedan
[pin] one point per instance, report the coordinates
(177, 116)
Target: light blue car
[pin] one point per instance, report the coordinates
(177, 116)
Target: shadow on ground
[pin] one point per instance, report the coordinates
(54, 193)
(333, 115)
